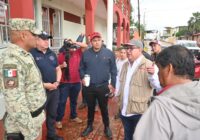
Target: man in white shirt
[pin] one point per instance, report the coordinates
(119, 62)
(137, 79)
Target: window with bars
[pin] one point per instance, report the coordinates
(4, 16)
(51, 23)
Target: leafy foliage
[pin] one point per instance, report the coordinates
(182, 33)
(131, 17)
(194, 23)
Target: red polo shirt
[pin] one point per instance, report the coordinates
(74, 61)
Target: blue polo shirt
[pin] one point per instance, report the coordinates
(47, 63)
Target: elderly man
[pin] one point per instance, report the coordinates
(137, 79)
(47, 63)
(21, 83)
(175, 113)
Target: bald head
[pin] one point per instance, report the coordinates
(23, 38)
(14, 36)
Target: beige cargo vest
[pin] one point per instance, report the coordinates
(140, 90)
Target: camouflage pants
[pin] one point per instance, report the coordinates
(13, 127)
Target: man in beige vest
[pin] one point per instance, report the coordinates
(136, 82)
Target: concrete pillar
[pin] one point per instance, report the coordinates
(124, 32)
(90, 7)
(89, 21)
(127, 33)
(118, 33)
(110, 24)
(38, 13)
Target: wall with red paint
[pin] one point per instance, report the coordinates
(21, 9)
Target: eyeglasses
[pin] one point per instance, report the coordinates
(130, 48)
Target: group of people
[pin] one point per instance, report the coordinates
(35, 80)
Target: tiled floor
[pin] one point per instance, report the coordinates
(72, 130)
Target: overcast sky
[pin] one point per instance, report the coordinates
(165, 13)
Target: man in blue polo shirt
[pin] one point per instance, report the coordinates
(46, 61)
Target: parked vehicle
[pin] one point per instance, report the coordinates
(151, 35)
(192, 46)
(197, 70)
(189, 44)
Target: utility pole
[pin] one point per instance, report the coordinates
(144, 22)
(139, 17)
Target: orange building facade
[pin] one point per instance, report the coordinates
(92, 10)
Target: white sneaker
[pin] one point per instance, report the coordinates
(77, 120)
(59, 125)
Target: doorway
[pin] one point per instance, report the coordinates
(51, 23)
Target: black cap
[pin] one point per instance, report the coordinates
(44, 35)
(154, 42)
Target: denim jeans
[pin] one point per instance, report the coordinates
(130, 124)
(70, 90)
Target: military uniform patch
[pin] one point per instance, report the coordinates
(10, 77)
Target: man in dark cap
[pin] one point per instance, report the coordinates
(156, 48)
(47, 63)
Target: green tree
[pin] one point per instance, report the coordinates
(182, 33)
(194, 23)
(131, 17)
(131, 21)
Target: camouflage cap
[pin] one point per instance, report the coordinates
(24, 24)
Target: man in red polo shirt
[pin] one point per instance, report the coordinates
(70, 85)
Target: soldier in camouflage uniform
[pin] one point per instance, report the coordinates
(21, 82)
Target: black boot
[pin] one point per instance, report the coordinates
(108, 132)
(87, 131)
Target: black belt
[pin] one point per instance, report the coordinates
(38, 111)
(98, 85)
